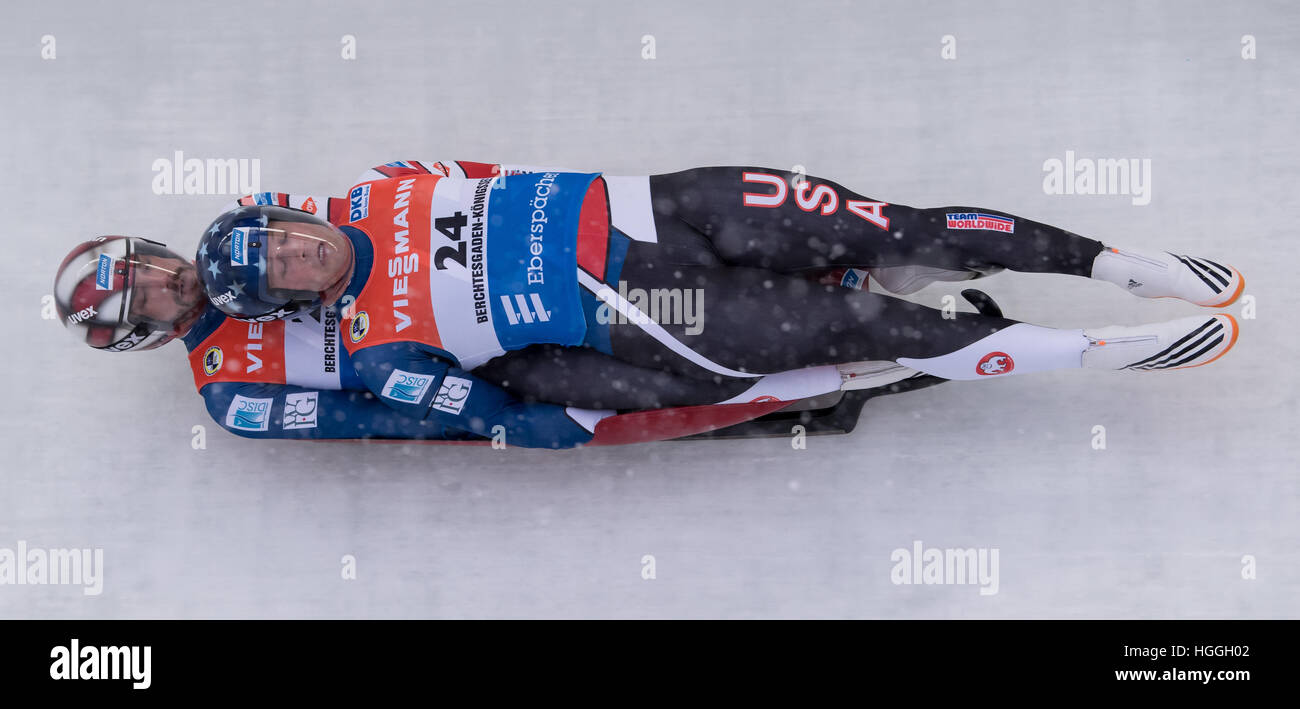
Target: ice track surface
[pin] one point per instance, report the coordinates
(1199, 469)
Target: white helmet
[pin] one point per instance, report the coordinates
(97, 296)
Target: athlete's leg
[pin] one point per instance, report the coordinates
(766, 218)
(753, 216)
(759, 321)
(753, 320)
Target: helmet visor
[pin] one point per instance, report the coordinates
(126, 293)
(162, 288)
(287, 259)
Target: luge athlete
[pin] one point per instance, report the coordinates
(437, 275)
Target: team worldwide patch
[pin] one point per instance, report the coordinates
(975, 220)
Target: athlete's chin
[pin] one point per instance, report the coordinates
(339, 276)
(189, 287)
(333, 290)
(338, 267)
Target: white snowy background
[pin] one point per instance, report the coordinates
(1200, 465)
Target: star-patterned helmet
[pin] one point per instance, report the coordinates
(232, 263)
(121, 293)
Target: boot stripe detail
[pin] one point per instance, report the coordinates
(1198, 354)
(1178, 358)
(1176, 345)
(1198, 273)
(1206, 265)
(1167, 360)
(1183, 357)
(1201, 270)
(1189, 358)
(1226, 271)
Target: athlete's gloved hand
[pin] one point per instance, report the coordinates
(982, 302)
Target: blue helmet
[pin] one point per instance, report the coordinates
(232, 263)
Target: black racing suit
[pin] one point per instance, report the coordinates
(754, 250)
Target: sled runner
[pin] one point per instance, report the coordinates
(832, 413)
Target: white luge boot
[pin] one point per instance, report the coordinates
(1176, 344)
(1162, 274)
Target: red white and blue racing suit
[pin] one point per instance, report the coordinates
(290, 379)
(293, 378)
(453, 272)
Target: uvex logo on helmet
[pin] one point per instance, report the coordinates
(269, 317)
(223, 298)
(131, 340)
(85, 313)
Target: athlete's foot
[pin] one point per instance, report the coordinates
(1177, 344)
(1165, 275)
